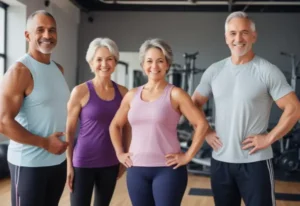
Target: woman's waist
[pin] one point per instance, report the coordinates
(95, 161)
(153, 159)
(85, 146)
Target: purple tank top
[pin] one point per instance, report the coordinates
(94, 147)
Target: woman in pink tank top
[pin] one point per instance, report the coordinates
(156, 172)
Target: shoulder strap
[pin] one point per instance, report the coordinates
(117, 91)
(90, 85)
(168, 90)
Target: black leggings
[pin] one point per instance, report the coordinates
(104, 179)
(37, 186)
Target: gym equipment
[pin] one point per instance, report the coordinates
(287, 150)
(174, 75)
(186, 74)
(139, 78)
(295, 67)
(4, 171)
(287, 156)
(289, 160)
(183, 76)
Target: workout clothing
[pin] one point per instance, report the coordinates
(243, 96)
(156, 186)
(104, 179)
(154, 133)
(94, 147)
(254, 182)
(37, 186)
(43, 112)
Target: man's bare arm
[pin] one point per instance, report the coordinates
(211, 137)
(199, 101)
(291, 114)
(13, 89)
(12, 93)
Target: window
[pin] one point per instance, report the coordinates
(3, 18)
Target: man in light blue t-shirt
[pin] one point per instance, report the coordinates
(33, 112)
(244, 87)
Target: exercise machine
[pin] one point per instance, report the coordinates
(287, 150)
(295, 68)
(183, 76)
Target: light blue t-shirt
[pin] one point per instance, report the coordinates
(42, 113)
(243, 96)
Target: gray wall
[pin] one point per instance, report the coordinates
(190, 32)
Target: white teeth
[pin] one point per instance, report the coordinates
(240, 45)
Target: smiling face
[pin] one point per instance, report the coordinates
(41, 33)
(103, 63)
(239, 36)
(155, 64)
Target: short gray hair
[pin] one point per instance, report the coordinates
(239, 14)
(159, 44)
(102, 42)
(31, 16)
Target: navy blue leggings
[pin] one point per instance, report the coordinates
(156, 186)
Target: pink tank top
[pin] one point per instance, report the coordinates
(154, 129)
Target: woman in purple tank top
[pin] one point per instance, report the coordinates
(92, 161)
(156, 171)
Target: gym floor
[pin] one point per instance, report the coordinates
(121, 197)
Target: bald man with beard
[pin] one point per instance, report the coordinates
(33, 111)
